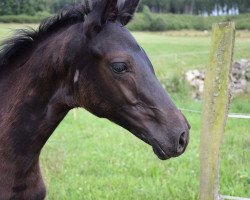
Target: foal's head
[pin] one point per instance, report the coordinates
(119, 83)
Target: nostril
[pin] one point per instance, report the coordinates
(182, 142)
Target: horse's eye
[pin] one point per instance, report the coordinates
(119, 68)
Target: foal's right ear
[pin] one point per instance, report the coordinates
(102, 12)
(127, 11)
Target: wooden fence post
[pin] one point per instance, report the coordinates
(215, 107)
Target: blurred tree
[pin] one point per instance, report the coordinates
(205, 7)
(198, 7)
(8, 7)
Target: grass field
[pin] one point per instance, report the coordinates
(90, 158)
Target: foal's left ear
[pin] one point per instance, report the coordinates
(102, 12)
(127, 11)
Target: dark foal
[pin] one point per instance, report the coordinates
(84, 57)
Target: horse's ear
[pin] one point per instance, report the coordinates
(102, 12)
(127, 10)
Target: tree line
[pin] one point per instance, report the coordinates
(32, 7)
(196, 7)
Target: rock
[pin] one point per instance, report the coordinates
(240, 79)
(196, 80)
(247, 74)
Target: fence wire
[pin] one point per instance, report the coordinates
(231, 115)
(232, 198)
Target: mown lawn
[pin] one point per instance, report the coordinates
(90, 158)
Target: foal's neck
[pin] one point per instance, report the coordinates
(35, 101)
(28, 119)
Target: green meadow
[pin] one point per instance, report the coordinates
(90, 158)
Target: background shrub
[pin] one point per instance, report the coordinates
(148, 21)
(163, 22)
(24, 18)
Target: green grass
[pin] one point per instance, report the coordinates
(175, 54)
(90, 158)
(6, 30)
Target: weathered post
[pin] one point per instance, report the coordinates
(215, 107)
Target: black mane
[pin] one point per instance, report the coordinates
(25, 39)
